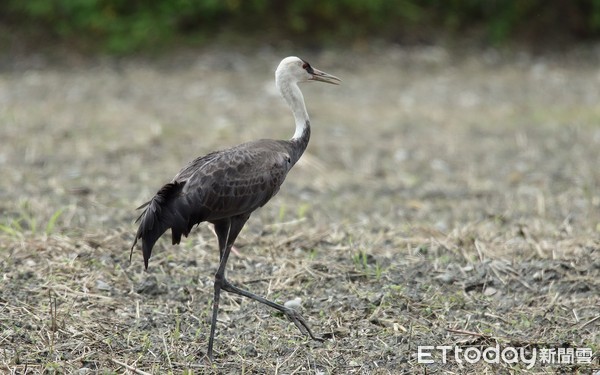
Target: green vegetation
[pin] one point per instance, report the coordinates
(366, 264)
(123, 26)
(26, 221)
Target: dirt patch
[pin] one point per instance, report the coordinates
(445, 199)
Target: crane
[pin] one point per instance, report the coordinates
(224, 188)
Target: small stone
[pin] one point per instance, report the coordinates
(150, 287)
(250, 351)
(102, 285)
(446, 278)
(293, 303)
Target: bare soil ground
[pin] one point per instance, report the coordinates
(446, 198)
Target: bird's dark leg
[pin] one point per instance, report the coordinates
(227, 231)
(223, 255)
(292, 314)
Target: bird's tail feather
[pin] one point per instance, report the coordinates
(157, 217)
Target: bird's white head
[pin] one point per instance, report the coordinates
(293, 69)
(289, 73)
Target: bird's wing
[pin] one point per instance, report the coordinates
(238, 180)
(221, 184)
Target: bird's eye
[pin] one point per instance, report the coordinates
(304, 66)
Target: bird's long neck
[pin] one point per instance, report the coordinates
(293, 97)
(299, 143)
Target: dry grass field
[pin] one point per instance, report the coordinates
(445, 199)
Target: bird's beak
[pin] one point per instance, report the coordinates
(320, 76)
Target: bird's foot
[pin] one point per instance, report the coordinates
(299, 321)
(209, 359)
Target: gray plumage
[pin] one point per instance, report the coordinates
(222, 184)
(225, 187)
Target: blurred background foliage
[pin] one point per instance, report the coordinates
(121, 26)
